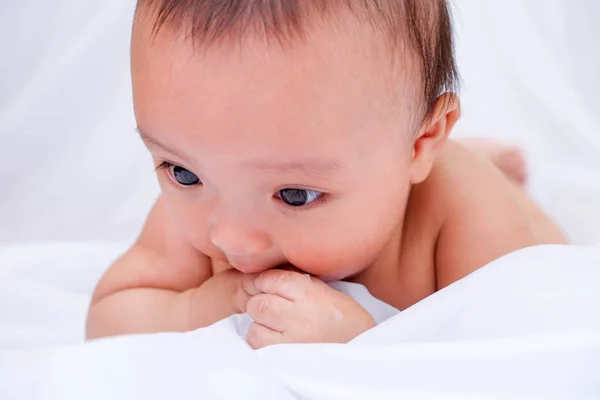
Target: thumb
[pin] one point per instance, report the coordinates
(248, 284)
(246, 290)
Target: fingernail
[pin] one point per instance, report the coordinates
(250, 286)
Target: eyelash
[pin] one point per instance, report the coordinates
(164, 168)
(287, 208)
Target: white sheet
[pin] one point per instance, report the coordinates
(526, 326)
(71, 167)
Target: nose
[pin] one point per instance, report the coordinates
(248, 263)
(240, 239)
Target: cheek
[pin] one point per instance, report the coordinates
(347, 238)
(191, 220)
(335, 254)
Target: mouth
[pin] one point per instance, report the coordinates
(289, 267)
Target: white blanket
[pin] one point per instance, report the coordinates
(526, 326)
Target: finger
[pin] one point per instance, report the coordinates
(260, 336)
(244, 290)
(288, 284)
(248, 284)
(271, 311)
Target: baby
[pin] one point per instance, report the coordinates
(296, 137)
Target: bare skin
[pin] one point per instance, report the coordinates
(508, 159)
(233, 131)
(444, 217)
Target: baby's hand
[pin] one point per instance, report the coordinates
(290, 307)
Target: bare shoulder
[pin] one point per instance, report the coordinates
(465, 179)
(483, 216)
(160, 258)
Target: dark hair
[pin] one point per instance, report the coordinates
(425, 26)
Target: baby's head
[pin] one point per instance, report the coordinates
(291, 131)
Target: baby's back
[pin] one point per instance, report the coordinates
(463, 216)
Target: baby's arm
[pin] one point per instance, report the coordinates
(162, 284)
(486, 217)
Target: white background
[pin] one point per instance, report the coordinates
(72, 168)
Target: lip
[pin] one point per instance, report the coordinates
(250, 264)
(290, 267)
(245, 263)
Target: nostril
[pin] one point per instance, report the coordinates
(245, 263)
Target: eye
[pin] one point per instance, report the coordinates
(298, 197)
(183, 176)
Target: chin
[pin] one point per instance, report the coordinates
(340, 276)
(331, 278)
(334, 274)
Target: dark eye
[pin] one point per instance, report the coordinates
(183, 176)
(298, 197)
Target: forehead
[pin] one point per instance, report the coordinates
(333, 86)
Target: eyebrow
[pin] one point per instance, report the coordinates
(315, 167)
(150, 140)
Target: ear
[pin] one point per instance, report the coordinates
(433, 136)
